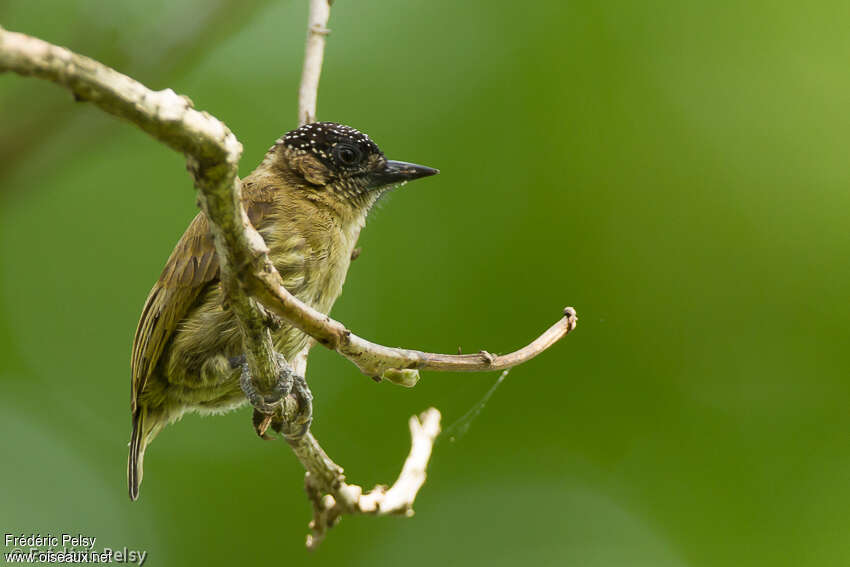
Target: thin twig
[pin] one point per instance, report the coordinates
(314, 52)
(397, 365)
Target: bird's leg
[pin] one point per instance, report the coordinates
(266, 405)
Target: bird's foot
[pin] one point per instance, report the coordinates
(299, 425)
(267, 406)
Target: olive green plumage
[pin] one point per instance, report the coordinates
(308, 199)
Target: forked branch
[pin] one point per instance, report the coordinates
(332, 497)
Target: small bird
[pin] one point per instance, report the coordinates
(309, 199)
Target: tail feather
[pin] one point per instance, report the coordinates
(138, 442)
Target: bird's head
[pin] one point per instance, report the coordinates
(334, 162)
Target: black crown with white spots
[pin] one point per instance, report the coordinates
(334, 144)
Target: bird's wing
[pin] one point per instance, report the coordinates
(192, 266)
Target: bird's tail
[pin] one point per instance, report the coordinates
(138, 442)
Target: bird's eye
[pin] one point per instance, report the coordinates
(347, 155)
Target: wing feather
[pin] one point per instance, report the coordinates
(192, 266)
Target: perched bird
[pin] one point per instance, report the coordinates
(308, 199)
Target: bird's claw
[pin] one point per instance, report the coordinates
(266, 406)
(300, 424)
(266, 403)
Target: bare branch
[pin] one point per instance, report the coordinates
(212, 154)
(164, 115)
(397, 365)
(314, 52)
(332, 497)
(325, 482)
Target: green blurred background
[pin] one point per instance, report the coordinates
(677, 171)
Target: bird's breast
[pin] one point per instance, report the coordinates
(313, 262)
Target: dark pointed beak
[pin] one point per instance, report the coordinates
(399, 172)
